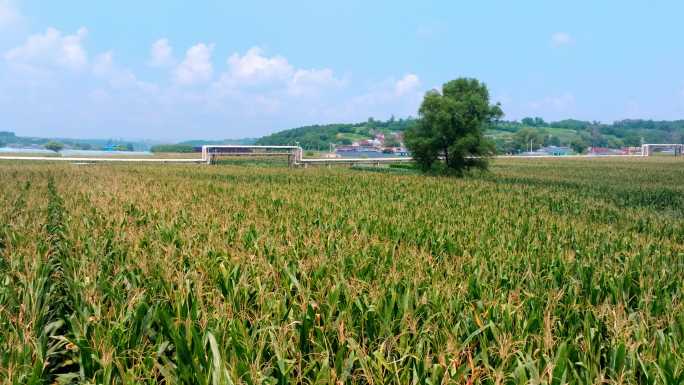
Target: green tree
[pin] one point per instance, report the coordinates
(54, 146)
(632, 139)
(533, 122)
(527, 139)
(597, 139)
(183, 148)
(2, 144)
(579, 145)
(451, 127)
(553, 141)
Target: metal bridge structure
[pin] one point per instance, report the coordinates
(647, 149)
(210, 153)
(294, 153)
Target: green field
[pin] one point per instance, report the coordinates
(546, 272)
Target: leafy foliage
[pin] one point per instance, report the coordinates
(554, 272)
(180, 148)
(451, 127)
(512, 137)
(200, 142)
(319, 137)
(54, 146)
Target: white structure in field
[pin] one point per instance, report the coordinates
(294, 153)
(647, 149)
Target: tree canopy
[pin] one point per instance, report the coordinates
(451, 126)
(181, 148)
(54, 146)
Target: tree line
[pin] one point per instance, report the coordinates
(508, 136)
(458, 129)
(580, 134)
(319, 137)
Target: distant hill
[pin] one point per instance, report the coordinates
(514, 136)
(509, 136)
(200, 142)
(10, 139)
(192, 145)
(319, 137)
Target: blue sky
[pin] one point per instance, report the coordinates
(218, 69)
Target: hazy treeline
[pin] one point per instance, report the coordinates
(514, 136)
(8, 138)
(509, 136)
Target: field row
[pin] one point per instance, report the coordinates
(550, 272)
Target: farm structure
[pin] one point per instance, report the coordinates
(211, 152)
(647, 149)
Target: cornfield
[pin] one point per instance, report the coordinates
(543, 272)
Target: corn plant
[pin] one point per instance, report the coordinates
(543, 271)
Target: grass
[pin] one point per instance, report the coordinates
(543, 271)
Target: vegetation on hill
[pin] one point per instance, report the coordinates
(7, 137)
(513, 136)
(544, 272)
(193, 145)
(319, 137)
(509, 136)
(11, 139)
(181, 148)
(54, 146)
(200, 142)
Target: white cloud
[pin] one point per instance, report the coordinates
(254, 67)
(103, 63)
(399, 97)
(51, 49)
(9, 15)
(196, 67)
(407, 84)
(392, 90)
(255, 70)
(313, 80)
(161, 54)
(77, 90)
(560, 39)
